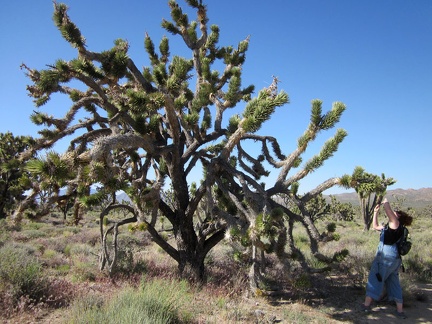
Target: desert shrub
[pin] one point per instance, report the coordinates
(84, 262)
(418, 262)
(33, 226)
(302, 281)
(84, 271)
(20, 271)
(81, 249)
(54, 260)
(126, 263)
(58, 293)
(19, 268)
(87, 308)
(125, 260)
(62, 269)
(88, 236)
(69, 231)
(299, 313)
(49, 253)
(55, 243)
(159, 301)
(314, 263)
(33, 230)
(4, 232)
(301, 239)
(331, 227)
(418, 266)
(224, 274)
(130, 240)
(339, 256)
(28, 235)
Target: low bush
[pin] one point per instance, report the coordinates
(158, 301)
(84, 270)
(23, 285)
(20, 271)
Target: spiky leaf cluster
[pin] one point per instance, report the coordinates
(366, 183)
(68, 29)
(329, 148)
(52, 168)
(259, 109)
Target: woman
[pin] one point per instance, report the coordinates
(385, 267)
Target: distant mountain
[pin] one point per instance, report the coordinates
(415, 198)
(122, 196)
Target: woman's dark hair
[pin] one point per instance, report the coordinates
(404, 218)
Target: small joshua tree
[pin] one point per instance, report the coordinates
(13, 175)
(370, 189)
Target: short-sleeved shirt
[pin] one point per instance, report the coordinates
(391, 236)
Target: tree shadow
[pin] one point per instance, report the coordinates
(341, 300)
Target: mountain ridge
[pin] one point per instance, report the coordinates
(415, 198)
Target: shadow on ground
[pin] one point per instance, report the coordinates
(342, 300)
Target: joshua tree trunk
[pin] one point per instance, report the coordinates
(191, 266)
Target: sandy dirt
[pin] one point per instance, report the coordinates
(418, 309)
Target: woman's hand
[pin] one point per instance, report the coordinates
(377, 208)
(375, 224)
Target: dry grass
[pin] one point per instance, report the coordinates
(68, 257)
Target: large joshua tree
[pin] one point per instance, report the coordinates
(148, 129)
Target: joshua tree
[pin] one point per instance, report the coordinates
(341, 211)
(148, 129)
(49, 175)
(370, 189)
(13, 176)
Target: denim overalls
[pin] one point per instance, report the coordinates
(385, 267)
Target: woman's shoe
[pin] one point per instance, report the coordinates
(400, 315)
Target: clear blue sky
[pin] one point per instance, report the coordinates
(374, 56)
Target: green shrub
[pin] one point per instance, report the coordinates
(4, 232)
(20, 271)
(80, 249)
(331, 227)
(154, 302)
(49, 254)
(70, 231)
(63, 269)
(301, 239)
(126, 263)
(28, 235)
(340, 255)
(88, 309)
(67, 250)
(303, 281)
(84, 271)
(33, 226)
(56, 243)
